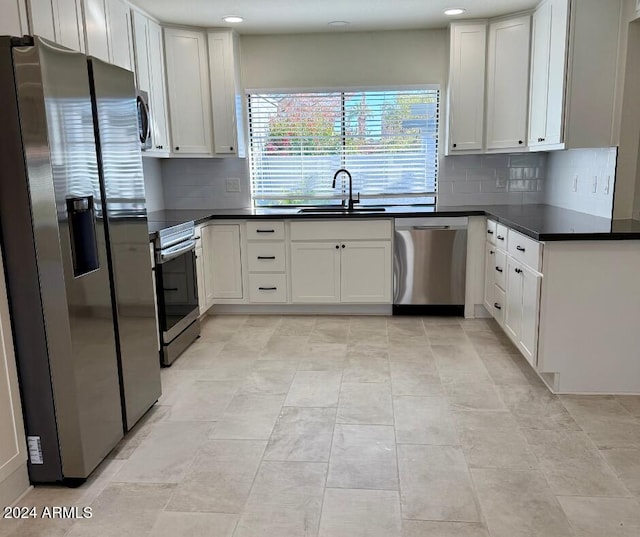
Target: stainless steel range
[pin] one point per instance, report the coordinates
(176, 289)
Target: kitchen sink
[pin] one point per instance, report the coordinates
(341, 210)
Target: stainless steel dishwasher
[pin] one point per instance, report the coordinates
(429, 265)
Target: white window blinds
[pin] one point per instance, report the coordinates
(388, 140)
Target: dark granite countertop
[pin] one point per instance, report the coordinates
(540, 222)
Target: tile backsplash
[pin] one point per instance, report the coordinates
(582, 180)
(202, 183)
(492, 179)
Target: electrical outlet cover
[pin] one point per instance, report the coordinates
(233, 184)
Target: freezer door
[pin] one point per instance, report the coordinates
(120, 166)
(67, 229)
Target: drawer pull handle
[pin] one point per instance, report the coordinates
(170, 289)
(520, 249)
(499, 269)
(265, 230)
(500, 238)
(497, 306)
(518, 271)
(266, 257)
(267, 288)
(489, 232)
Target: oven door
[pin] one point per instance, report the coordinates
(177, 289)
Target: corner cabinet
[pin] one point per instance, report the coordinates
(150, 76)
(188, 91)
(508, 83)
(226, 93)
(466, 86)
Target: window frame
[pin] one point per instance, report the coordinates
(442, 103)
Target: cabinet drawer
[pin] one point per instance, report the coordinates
(525, 250)
(341, 230)
(500, 269)
(499, 304)
(266, 257)
(265, 230)
(501, 236)
(268, 288)
(491, 231)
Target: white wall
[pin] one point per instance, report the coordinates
(153, 184)
(202, 183)
(492, 179)
(348, 59)
(563, 166)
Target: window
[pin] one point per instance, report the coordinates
(388, 140)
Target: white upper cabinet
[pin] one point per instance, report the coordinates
(226, 94)
(188, 92)
(508, 83)
(95, 21)
(119, 33)
(14, 18)
(41, 18)
(548, 61)
(466, 86)
(69, 27)
(574, 58)
(149, 67)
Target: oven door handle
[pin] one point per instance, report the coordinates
(175, 251)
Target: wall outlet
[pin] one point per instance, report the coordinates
(233, 184)
(575, 183)
(607, 185)
(594, 187)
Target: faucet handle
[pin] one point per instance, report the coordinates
(357, 200)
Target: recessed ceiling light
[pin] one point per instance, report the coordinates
(339, 23)
(232, 19)
(454, 11)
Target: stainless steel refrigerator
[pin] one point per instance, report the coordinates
(74, 234)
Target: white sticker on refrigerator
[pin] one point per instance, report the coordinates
(35, 449)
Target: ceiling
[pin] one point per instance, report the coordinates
(303, 16)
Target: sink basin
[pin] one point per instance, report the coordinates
(341, 210)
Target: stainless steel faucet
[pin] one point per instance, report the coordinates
(333, 185)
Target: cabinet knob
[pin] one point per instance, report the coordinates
(520, 142)
(343, 246)
(231, 148)
(518, 271)
(177, 149)
(337, 247)
(491, 252)
(455, 145)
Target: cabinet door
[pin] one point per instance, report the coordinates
(222, 258)
(42, 19)
(160, 134)
(508, 83)
(530, 314)
(365, 272)
(223, 105)
(548, 69)
(513, 310)
(202, 300)
(466, 86)
(12, 441)
(95, 20)
(208, 252)
(68, 24)
(489, 278)
(141, 50)
(188, 85)
(315, 272)
(119, 33)
(14, 18)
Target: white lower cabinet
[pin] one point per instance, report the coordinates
(315, 272)
(268, 288)
(202, 294)
(224, 261)
(365, 271)
(489, 279)
(513, 313)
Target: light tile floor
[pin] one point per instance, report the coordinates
(276, 426)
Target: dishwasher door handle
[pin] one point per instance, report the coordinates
(429, 228)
